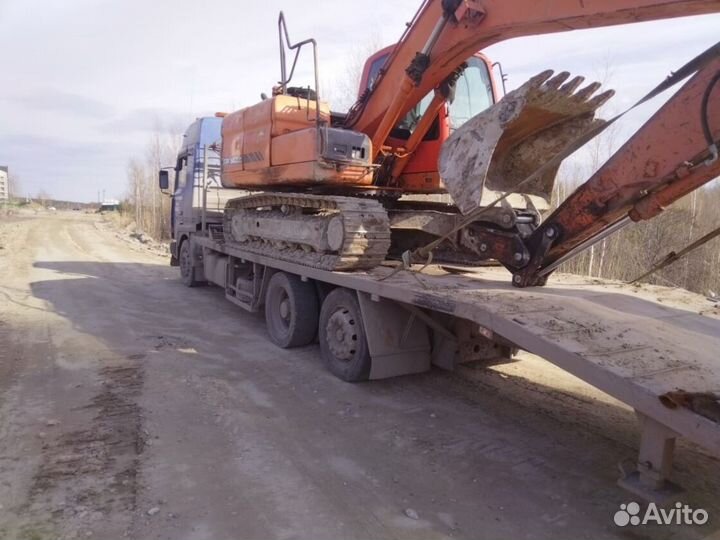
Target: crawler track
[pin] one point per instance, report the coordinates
(366, 229)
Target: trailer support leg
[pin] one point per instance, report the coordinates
(648, 477)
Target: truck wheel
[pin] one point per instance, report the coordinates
(187, 269)
(343, 343)
(291, 310)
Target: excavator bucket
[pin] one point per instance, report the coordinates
(503, 145)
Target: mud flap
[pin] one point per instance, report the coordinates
(504, 144)
(174, 254)
(399, 342)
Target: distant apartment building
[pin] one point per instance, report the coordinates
(4, 184)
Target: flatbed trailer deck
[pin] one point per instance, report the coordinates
(624, 344)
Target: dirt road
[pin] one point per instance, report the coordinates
(132, 407)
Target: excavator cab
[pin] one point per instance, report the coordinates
(475, 90)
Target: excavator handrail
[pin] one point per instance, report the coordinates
(297, 47)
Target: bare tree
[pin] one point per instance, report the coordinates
(136, 183)
(342, 91)
(42, 197)
(144, 204)
(13, 183)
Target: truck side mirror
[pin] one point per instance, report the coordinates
(164, 180)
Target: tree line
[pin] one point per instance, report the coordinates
(635, 249)
(144, 204)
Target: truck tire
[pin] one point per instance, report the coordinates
(187, 269)
(291, 310)
(343, 343)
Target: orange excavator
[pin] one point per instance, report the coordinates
(429, 162)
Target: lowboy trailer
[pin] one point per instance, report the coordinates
(380, 323)
(640, 353)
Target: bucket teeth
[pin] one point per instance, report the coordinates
(555, 82)
(600, 100)
(586, 92)
(572, 85)
(503, 145)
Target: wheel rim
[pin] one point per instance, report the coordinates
(284, 310)
(342, 336)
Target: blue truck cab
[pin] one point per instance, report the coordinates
(202, 138)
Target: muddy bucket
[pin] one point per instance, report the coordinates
(503, 145)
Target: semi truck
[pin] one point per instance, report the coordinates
(371, 324)
(383, 236)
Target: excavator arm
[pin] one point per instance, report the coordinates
(674, 153)
(444, 33)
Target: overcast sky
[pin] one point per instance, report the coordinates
(84, 83)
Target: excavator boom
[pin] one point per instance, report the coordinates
(444, 33)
